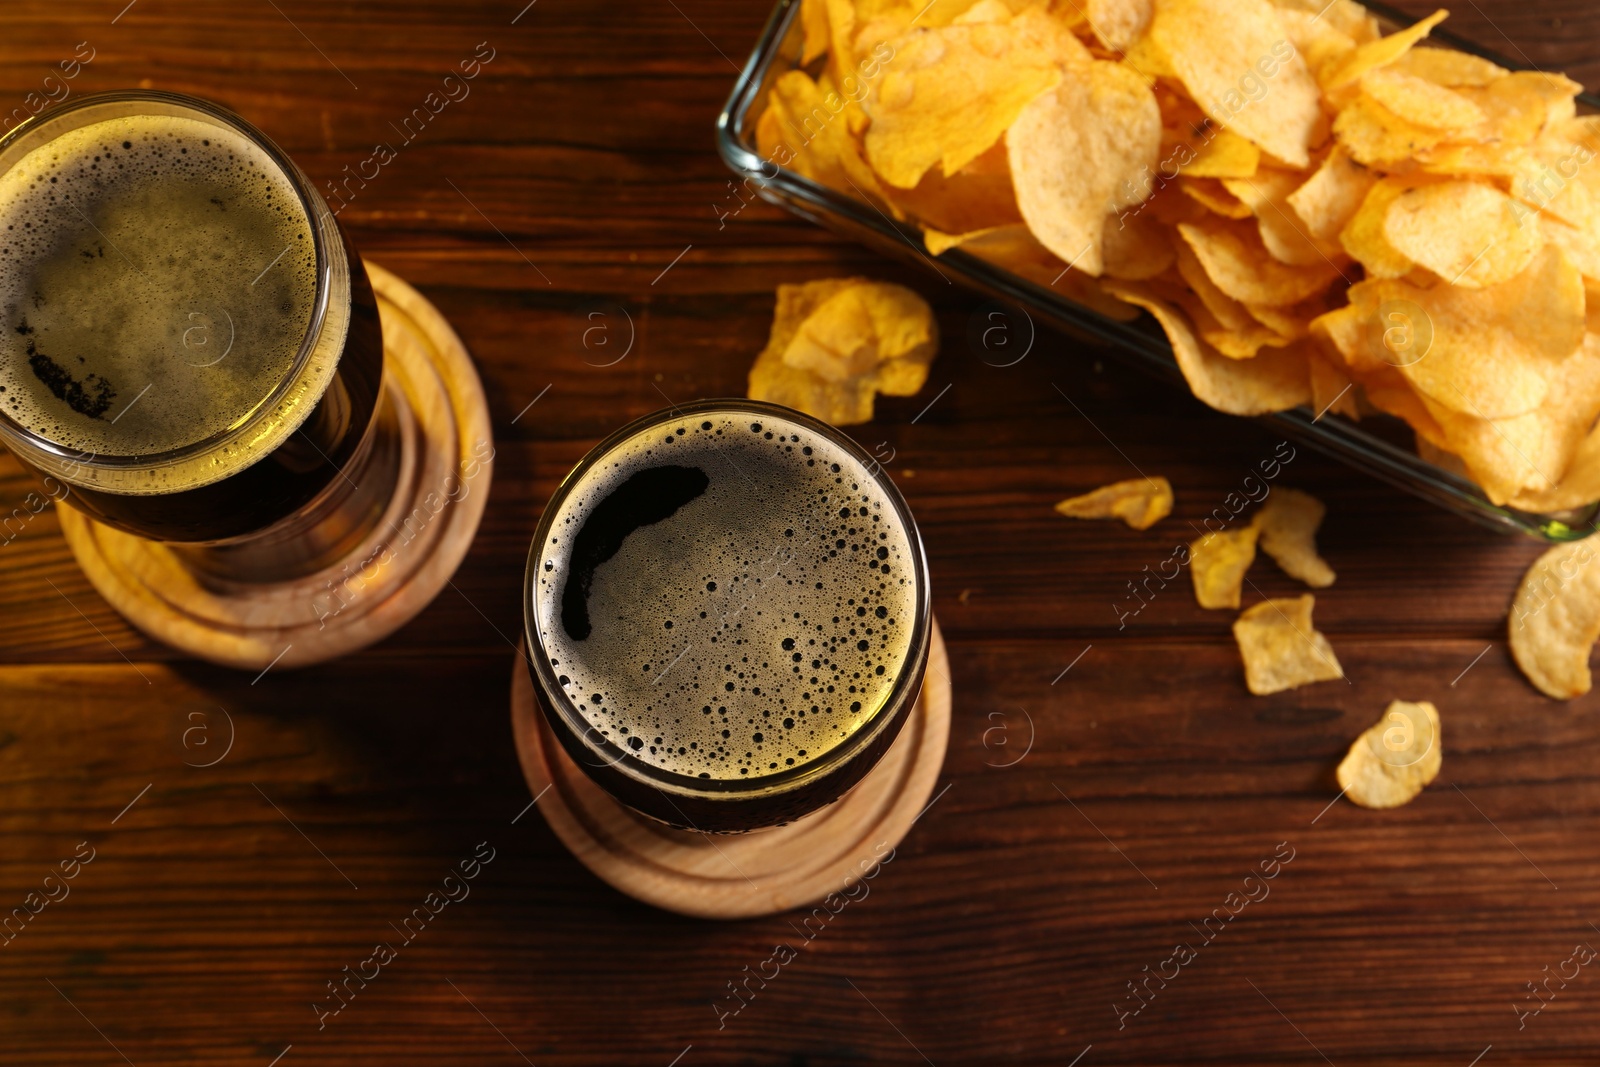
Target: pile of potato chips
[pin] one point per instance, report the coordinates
(1316, 214)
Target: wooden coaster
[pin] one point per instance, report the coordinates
(445, 469)
(737, 876)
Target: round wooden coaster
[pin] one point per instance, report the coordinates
(445, 469)
(737, 876)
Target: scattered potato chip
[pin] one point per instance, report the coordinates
(1468, 233)
(1281, 649)
(1234, 60)
(1555, 620)
(837, 341)
(1288, 522)
(1392, 760)
(1139, 502)
(1082, 152)
(949, 95)
(1218, 562)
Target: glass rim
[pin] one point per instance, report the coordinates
(905, 690)
(310, 202)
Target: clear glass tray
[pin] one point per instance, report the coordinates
(1379, 445)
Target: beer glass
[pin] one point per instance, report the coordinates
(727, 614)
(191, 350)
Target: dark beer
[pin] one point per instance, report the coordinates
(727, 607)
(186, 340)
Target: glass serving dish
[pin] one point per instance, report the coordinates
(1380, 445)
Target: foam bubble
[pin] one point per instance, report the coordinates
(756, 627)
(137, 313)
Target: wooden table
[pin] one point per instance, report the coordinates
(1137, 783)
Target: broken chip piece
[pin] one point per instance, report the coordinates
(1288, 523)
(1555, 620)
(1139, 502)
(837, 342)
(1217, 563)
(1280, 647)
(1394, 758)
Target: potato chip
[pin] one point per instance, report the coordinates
(1555, 619)
(1081, 153)
(814, 29)
(1381, 52)
(1468, 233)
(1217, 563)
(1209, 192)
(1389, 392)
(1363, 237)
(1377, 137)
(1467, 160)
(811, 130)
(1316, 38)
(1491, 351)
(1236, 260)
(1221, 153)
(1234, 342)
(835, 324)
(1447, 67)
(976, 197)
(1519, 106)
(1389, 764)
(1420, 101)
(1135, 247)
(1285, 238)
(1139, 502)
(1332, 390)
(1578, 487)
(1345, 16)
(1532, 452)
(948, 96)
(1548, 178)
(1118, 23)
(1327, 201)
(1280, 647)
(1235, 61)
(1275, 380)
(1288, 522)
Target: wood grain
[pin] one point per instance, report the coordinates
(221, 902)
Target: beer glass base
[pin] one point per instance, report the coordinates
(379, 585)
(739, 876)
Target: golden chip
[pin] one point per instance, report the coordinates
(1445, 66)
(1491, 351)
(1377, 137)
(1421, 101)
(1139, 502)
(1328, 200)
(1556, 618)
(1118, 23)
(1209, 192)
(1222, 154)
(1286, 240)
(1233, 58)
(1281, 649)
(1390, 763)
(1135, 247)
(976, 197)
(1217, 563)
(1275, 380)
(949, 95)
(1381, 52)
(1468, 233)
(1363, 237)
(1081, 153)
(1235, 259)
(1288, 523)
(1332, 390)
(849, 338)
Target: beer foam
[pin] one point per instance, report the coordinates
(756, 607)
(157, 280)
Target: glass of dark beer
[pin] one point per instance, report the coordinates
(189, 346)
(727, 612)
